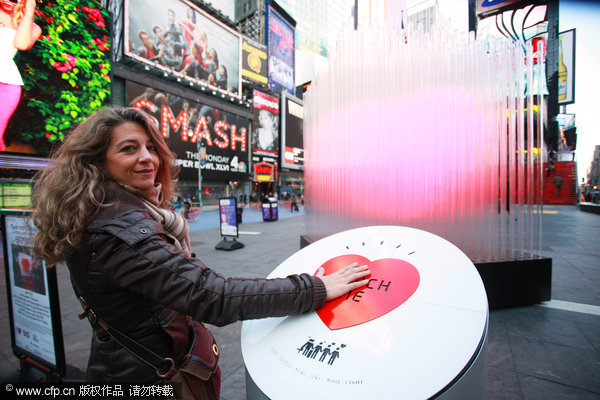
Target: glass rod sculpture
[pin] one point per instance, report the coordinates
(430, 131)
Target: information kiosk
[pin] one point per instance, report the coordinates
(417, 330)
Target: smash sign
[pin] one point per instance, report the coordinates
(187, 125)
(391, 283)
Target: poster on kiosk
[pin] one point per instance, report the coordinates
(228, 217)
(228, 224)
(416, 330)
(32, 290)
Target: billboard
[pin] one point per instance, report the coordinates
(188, 126)
(65, 77)
(280, 45)
(292, 134)
(265, 125)
(566, 67)
(178, 37)
(254, 61)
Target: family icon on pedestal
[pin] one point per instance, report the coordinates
(310, 350)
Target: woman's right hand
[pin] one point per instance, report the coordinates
(344, 280)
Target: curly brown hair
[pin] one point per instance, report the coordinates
(70, 190)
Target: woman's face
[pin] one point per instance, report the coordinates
(265, 120)
(132, 157)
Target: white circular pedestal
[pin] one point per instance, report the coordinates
(416, 331)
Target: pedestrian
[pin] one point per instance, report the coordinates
(550, 168)
(558, 181)
(294, 203)
(102, 205)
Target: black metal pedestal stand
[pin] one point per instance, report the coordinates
(229, 245)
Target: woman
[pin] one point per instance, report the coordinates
(188, 26)
(102, 206)
(17, 32)
(222, 79)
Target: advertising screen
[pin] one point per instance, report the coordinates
(32, 292)
(16, 195)
(228, 217)
(265, 128)
(254, 61)
(178, 37)
(280, 44)
(292, 142)
(188, 126)
(65, 76)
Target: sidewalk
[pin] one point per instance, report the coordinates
(545, 351)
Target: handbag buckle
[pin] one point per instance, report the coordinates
(87, 311)
(163, 375)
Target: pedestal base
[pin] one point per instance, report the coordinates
(516, 283)
(229, 245)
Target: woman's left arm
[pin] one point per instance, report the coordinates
(28, 32)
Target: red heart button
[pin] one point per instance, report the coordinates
(391, 283)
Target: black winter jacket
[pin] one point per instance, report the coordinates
(133, 277)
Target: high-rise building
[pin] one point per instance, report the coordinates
(422, 15)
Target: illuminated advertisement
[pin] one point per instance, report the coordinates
(16, 195)
(59, 81)
(188, 126)
(265, 125)
(254, 61)
(292, 136)
(228, 217)
(32, 295)
(566, 67)
(180, 38)
(280, 44)
(265, 172)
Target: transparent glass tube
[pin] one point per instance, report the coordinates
(427, 132)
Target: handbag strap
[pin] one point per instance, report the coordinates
(162, 365)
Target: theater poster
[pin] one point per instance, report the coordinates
(65, 77)
(265, 128)
(32, 292)
(187, 124)
(180, 38)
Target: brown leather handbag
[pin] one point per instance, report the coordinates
(199, 376)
